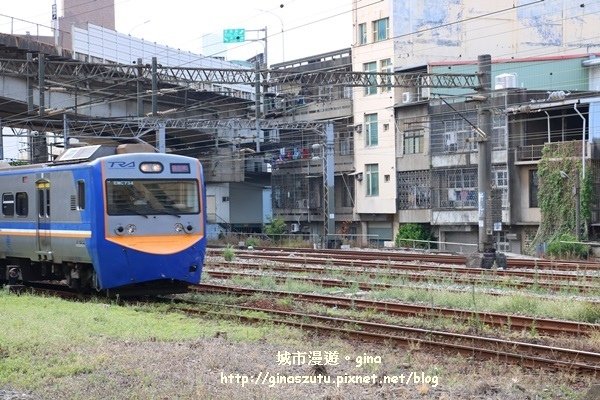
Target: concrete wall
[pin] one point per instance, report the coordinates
(549, 27)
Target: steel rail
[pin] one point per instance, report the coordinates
(525, 354)
(535, 275)
(512, 322)
(409, 276)
(442, 258)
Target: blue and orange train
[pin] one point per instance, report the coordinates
(105, 218)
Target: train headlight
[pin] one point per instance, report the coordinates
(179, 227)
(151, 167)
(130, 228)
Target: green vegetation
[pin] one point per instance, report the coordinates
(228, 253)
(47, 338)
(252, 242)
(557, 248)
(558, 172)
(471, 300)
(410, 235)
(275, 228)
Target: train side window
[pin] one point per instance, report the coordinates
(21, 204)
(8, 204)
(80, 195)
(41, 202)
(47, 202)
(44, 202)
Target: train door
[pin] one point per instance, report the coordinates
(44, 243)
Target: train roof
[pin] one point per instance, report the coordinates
(77, 155)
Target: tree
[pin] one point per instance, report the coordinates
(275, 228)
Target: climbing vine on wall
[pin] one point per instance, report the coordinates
(557, 172)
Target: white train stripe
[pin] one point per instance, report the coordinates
(51, 232)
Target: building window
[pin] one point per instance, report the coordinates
(386, 67)
(21, 204)
(414, 189)
(461, 189)
(533, 188)
(413, 135)
(500, 181)
(380, 29)
(372, 171)
(413, 142)
(346, 144)
(362, 33)
(371, 67)
(371, 136)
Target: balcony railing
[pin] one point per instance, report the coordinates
(533, 152)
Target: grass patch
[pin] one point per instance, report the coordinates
(45, 338)
(519, 304)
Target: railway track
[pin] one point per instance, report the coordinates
(293, 258)
(512, 322)
(521, 353)
(408, 276)
(440, 258)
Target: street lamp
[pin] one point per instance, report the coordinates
(282, 30)
(576, 192)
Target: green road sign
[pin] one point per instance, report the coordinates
(234, 35)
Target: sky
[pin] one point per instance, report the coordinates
(309, 26)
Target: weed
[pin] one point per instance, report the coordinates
(229, 253)
(589, 312)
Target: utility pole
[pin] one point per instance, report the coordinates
(65, 131)
(154, 87)
(139, 88)
(328, 184)
(257, 104)
(484, 117)
(577, 190)
(30, 80)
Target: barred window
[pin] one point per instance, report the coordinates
(414, 189)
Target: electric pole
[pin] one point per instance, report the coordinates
(484, 117)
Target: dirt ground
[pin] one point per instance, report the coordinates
(218, 368)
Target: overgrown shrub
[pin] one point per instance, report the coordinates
(276, 228)
(558, 249)
(228, 253)
(409, 233)
(252, 241)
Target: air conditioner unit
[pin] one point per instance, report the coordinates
(506, 81)
(358, 128)
(295, 227)
(406, 97)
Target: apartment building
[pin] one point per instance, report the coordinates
(410, 147)
(299, 187)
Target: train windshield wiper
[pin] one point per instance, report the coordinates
(171, 211)
(136, 211)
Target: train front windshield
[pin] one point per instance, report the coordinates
(152, 197)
